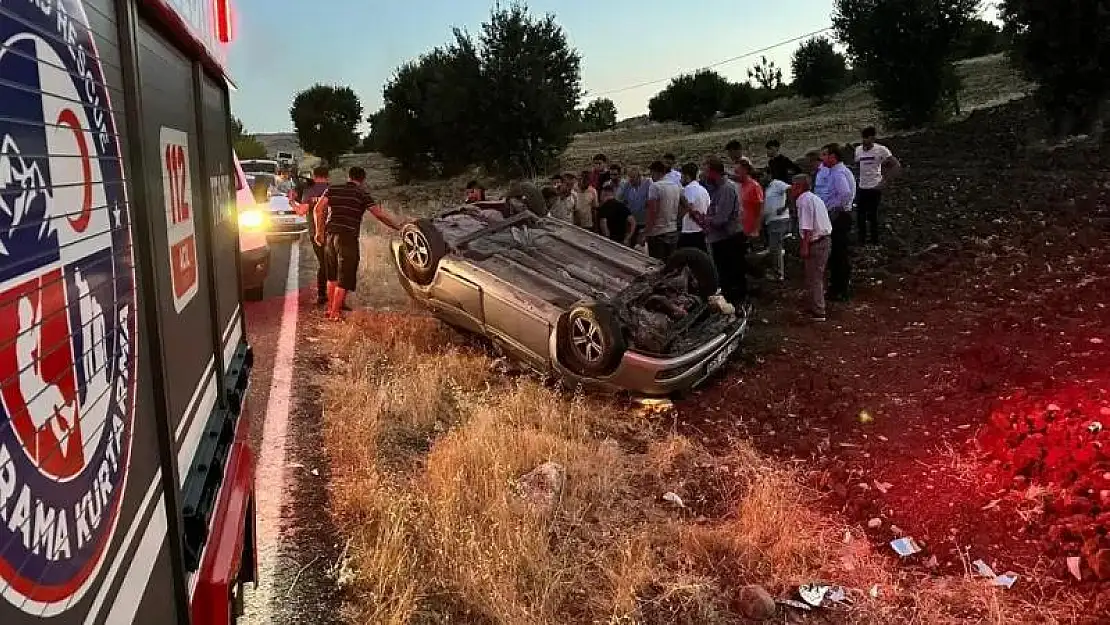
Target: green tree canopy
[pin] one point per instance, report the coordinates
(819, 70)
(905, 48)
(601, 114)
(691, 99)
(325, 118)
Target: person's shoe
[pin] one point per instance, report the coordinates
(321, 300)
(347, 307)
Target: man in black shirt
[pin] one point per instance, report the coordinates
(780, 167)
(307, 196)
(345, 206)
(617, 221)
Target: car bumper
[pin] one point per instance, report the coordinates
(254, 265)
(281, 225)
(652, 376)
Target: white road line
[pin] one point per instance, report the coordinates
(269, 479)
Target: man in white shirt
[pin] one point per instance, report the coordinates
(695, 200)
(816, 230)
(876, 165)
(661, 223)
(776, 221)
(673, 173)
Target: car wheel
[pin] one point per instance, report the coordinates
(422, 247)
(253, 294)
(590, 339)
(701, 268)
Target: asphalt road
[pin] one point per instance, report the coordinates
(297, 543)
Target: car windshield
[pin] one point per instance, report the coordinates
(262, 167)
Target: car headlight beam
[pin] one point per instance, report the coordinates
(251, 220)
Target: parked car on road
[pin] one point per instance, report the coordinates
(570, 302)
(284, 220)
(254, 250)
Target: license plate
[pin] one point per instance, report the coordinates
(722, 357)
(285, 221)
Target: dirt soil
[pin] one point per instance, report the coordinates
(959, 398)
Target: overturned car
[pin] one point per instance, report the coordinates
(569, 302)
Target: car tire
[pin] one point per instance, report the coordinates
(590, 340)
(422, 247)
(701, 268)
(253, 294)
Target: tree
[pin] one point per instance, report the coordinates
(506, 100)
(530, 90)
(245, 146)
(980, 39)
(819, 70)
(1064, 47)
(248, 147)
(905, 48)
(766, 75)
(601, 114)
(325, 118)
(691, 99)
(739, 97)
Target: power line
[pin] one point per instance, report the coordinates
(718, 63)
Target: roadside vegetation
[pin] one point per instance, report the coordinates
(472, 493)
(434, 453)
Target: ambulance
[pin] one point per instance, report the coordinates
(126, 474)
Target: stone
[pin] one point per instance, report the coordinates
(543, 486)
(754, 602)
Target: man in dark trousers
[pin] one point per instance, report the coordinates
(836, 186)
(305, 205)
(723, 231)
(344, 205)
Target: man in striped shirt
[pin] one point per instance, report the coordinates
(344, 206)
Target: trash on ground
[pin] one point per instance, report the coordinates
(1074, 564)
(906, 546)
(1006, 580)
(795, 604)
(823, 595)
(1095, 427)
(316, 471)
(865, 417)
(993, 504)
(874, 591)
(294, 465)
(875, 523)
(883, 487)
(674, 498)
(984, 569)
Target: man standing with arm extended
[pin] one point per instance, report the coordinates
(345, 206)
(876, 165)
(723, 232)
(815, 228)
(693, 209)
(307, 207)
(836, 186)
(661, 223)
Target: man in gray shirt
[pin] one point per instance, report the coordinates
(723, 233)
(661, 223)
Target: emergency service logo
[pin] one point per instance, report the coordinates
(67, 309)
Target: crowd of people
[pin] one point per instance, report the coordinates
(727, 211)
(730, 210)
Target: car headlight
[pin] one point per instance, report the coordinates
(252, 220)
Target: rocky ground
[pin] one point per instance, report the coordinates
(960, 397)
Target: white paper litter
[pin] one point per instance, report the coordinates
(1074, 567)
(674, 498)
(905, 546)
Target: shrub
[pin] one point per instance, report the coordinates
(601, 114)
(819, 70)
(1065, 48)
(691, 99)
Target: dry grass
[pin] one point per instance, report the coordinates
(427, 444)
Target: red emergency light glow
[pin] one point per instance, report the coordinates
(224, 22)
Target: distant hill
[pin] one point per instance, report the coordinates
(280, 142)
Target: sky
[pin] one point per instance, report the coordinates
(282, 47)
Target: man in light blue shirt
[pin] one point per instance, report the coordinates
(636, 197)
(836, 186)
